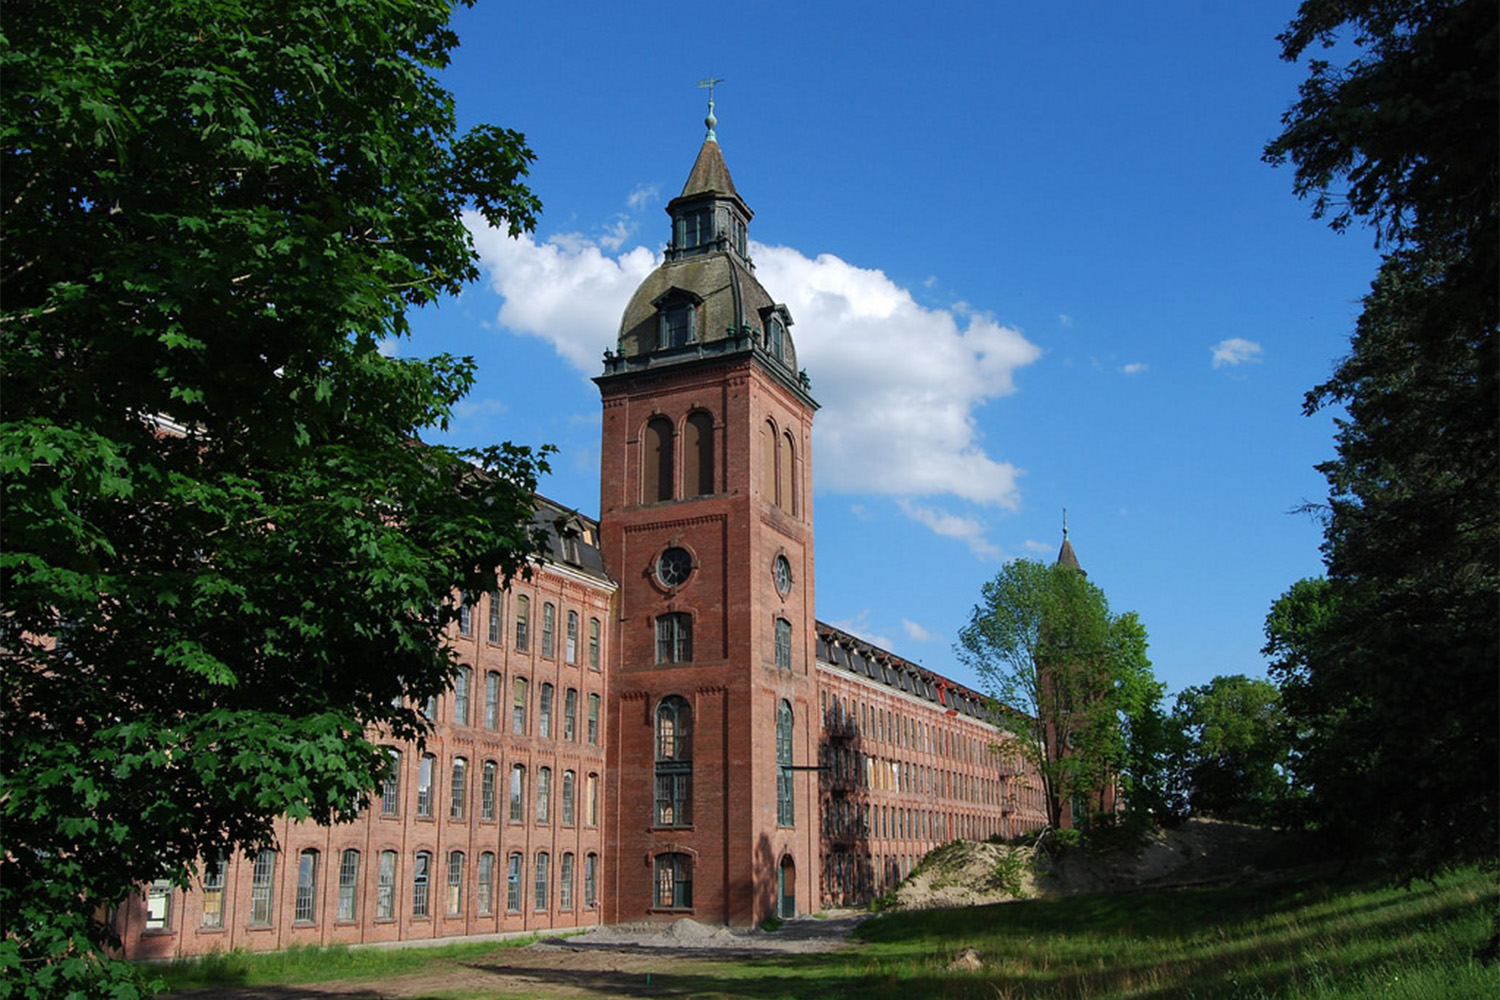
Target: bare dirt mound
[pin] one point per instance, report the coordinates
(964, 873)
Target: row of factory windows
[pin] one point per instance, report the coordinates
(850, 716)
(489, 803)
(575, 642)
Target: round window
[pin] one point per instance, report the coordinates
(674, 566)
(783, 573)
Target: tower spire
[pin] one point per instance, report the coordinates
(708, 83)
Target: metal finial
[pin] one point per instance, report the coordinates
(1065, 524)
(708, 83)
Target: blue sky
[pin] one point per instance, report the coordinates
(1034, 260)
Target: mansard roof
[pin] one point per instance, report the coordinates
(850, 654)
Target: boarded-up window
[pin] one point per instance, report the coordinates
(768, 462)
(786, 497)
(698, 455)
(657, 475)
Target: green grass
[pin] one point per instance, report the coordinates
(1320, 937)
(334, 963)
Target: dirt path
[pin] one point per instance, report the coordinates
(684, 959)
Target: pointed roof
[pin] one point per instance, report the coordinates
(1065, 555)
(710, 174)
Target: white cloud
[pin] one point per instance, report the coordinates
(1135, 368)
(968, 530)
(916, 632)
(389, 347)
(1235, 351)
(1063, 319)
(1041, 548)
(644, 194)
(470, 408)
(859, 626)
(617, 232)
(899, 383)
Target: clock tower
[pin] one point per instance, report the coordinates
(706, 522)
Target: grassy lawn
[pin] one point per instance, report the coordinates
(1319, 937)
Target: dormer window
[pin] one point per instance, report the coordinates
(776, 339)
(677, 322)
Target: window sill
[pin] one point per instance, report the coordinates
(158, 932)
(675, 828)
(211, 930)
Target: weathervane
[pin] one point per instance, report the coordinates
(1065, 524)
(708, 83)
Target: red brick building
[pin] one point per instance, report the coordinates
(655, 725)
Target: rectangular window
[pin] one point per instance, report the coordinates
(591, 800)
(570, 715)
(565, 883)
(465, 618)
(523, 623)
(497, 618)
(307, 887)
(568, 794)
(492, 700)
(590, 879)
(487, 791)
(517, 793)
(544, 713)
(543, 884)
(159, 905)
(419, 884)
(260, 888)
(570, 640)
(348, 884)
(674, 638)
(594, 643)
(458, 789)
(213, 892)
(461, 697)
(513, 884)
(455, 883)
(674, 794)
(593, 720)
(544, 796)
(424, 785)
(549, 629)
(385, 888)
(518, 707)
(484, 900)
(674, 882)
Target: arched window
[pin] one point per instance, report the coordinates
(698, 455)
(424, 784)
(543, 881)
(390, 786)
(544, 712)
(492, 700)
(455, 883)
(674, 637)
(549, 629)
(458, 788)
(569, 794)
(776, 339)
(487, 790)
(590, 880)
(785, 810)
(419, 884)
(485, 887)
(657, 478)
(768, 440)
(783, 644)
(565, 882)
(674, 762)
(570, 642)
(674, 881)
(523, 622)
(385, 887)
(513, 883)
(517, 793)
(786, 496)
(570, 715)
(594, 643)
(544, 795)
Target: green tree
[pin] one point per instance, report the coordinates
(1045, 644)
(228, 557)
(1394, 692)
(1236, 752)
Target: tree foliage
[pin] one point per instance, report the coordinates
(1235, 749)
(1389, 665)
(1044, 642)
(228, 557)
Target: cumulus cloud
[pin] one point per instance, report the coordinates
(899, 383)
(1040, 548)
(916, 632)
(643, 195)
(1235, 351)
(969, 530)
(1135, 368)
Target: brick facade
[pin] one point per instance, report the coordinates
(740, 760)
